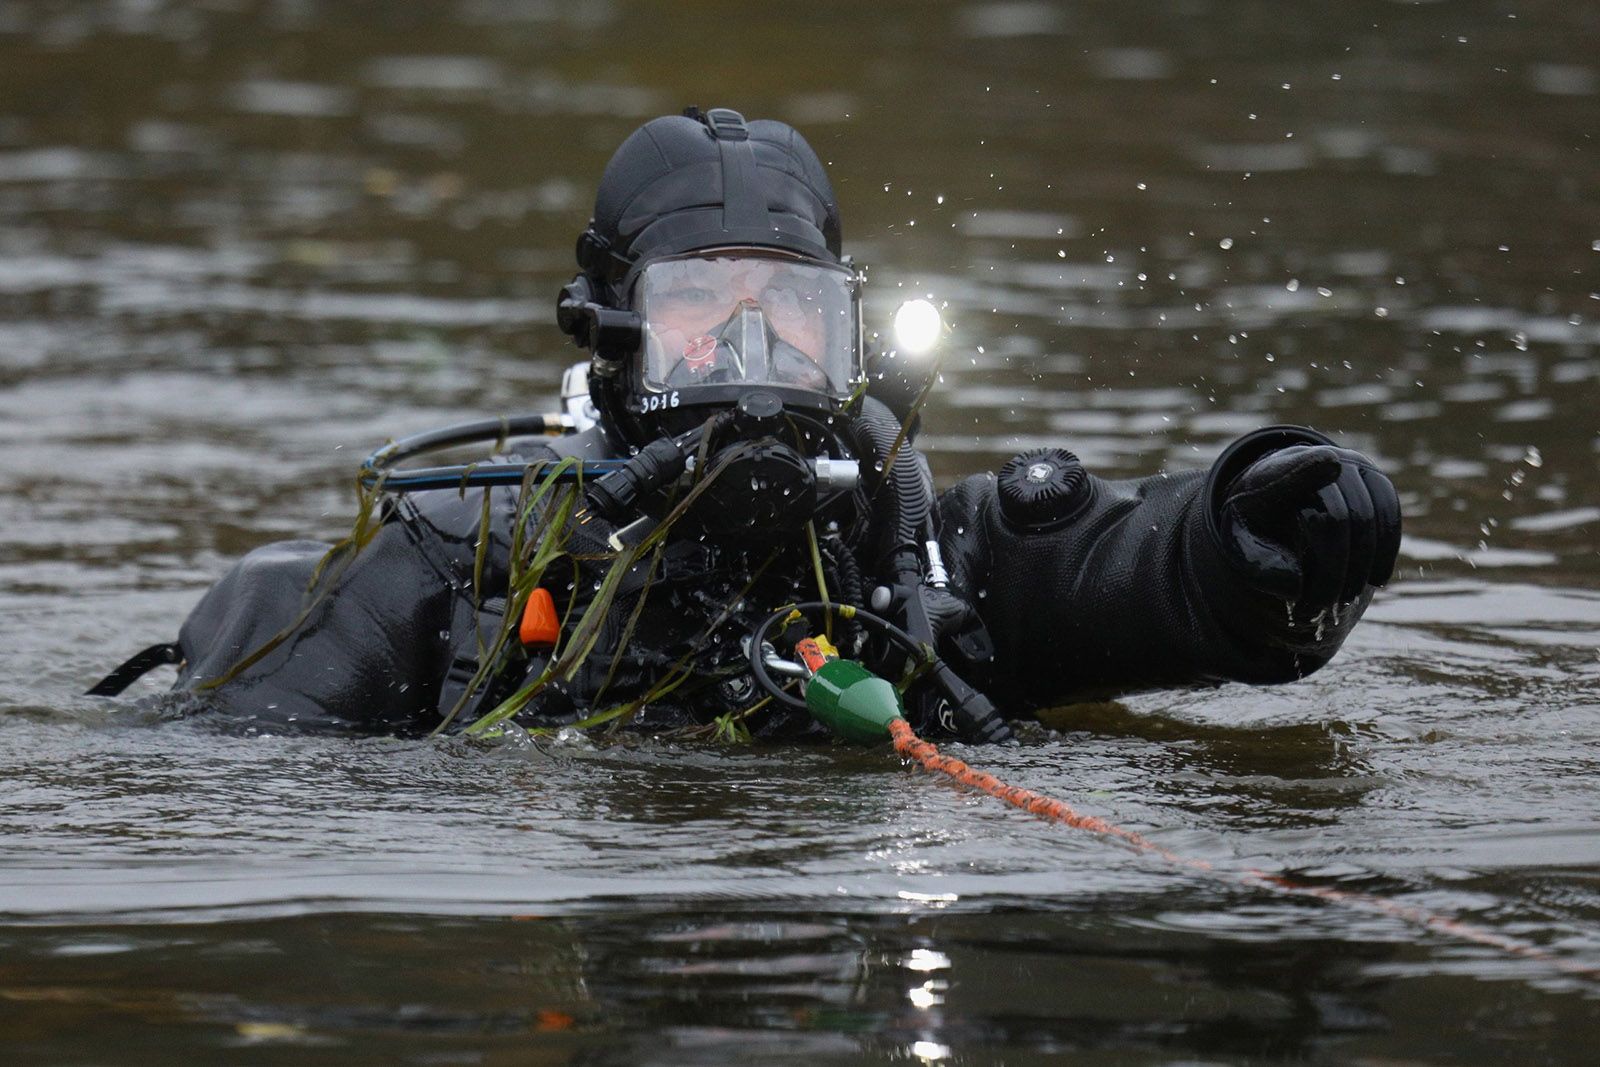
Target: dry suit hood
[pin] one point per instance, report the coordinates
(681, 183)
(711, 192)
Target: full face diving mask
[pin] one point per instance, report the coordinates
(718, 324)
(772, 340)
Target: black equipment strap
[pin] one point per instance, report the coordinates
(471, 630)
(743, 205)
(135, 668)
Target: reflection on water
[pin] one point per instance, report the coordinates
(745, 986)
(243, 243)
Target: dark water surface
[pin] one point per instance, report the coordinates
(243, 243)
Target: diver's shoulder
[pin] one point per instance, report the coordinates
(276, 555)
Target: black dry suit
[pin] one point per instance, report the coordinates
(1037, 586)
(1061, 586)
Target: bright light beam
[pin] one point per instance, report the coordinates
(917, 327)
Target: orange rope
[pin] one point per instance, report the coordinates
(909, 745)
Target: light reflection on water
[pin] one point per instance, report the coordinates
(240, 245)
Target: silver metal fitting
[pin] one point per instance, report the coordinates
(938, 577)
(774, 662)
(840, 474)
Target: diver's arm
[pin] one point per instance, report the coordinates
(367, 655)
(368, 645)
(1148, 585)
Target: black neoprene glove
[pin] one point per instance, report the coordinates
(1304, 520)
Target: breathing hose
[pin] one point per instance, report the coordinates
(976, 718)
(909, 496)
(377, 470)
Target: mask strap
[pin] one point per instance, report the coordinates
(743, 205)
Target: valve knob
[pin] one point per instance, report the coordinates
(1043, 488)
(759, 414)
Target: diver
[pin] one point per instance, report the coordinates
(737, 452)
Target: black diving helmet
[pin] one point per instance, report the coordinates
(719, 323)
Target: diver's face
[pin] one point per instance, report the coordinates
(694, 306)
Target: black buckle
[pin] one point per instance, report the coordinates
(726, 124)
(592, 250)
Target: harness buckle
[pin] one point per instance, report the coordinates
(726, 124)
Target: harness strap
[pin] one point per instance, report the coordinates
(471, 631)
(744, 204)
(136, 667)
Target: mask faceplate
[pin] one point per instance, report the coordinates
(746, 318)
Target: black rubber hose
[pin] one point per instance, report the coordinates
(468, 475)
(846, 569)
(910, 499)
(377, 469)
(976, 716)
(459, 434)
(758, 638)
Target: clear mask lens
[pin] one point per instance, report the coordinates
(749, 319)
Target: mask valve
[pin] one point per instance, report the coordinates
(759, 414)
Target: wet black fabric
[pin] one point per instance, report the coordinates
(1134, 593)
(1137, 592)
(368, 644)
(666, 190)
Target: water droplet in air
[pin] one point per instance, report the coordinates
(1225, 244)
